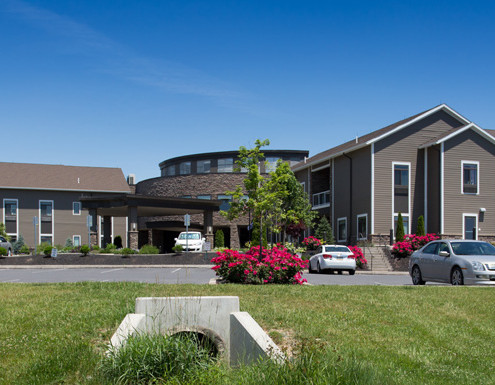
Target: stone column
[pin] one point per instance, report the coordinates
(208, 227)
(132, 230)
(150, 236)
(107, 230)
(235, 242)
(93, 230)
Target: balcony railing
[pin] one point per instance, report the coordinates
(321, 199)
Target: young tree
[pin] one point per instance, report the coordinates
(219, 238)
(324, 231)
(420, 227)
(399, 231)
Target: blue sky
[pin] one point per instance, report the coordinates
(129, 84)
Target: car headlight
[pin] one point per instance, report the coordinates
(478, 266)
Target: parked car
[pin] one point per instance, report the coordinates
(332, 258)
(6, 245)
(190, 241)
(454, 261)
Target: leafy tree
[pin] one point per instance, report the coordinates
(420, 227)
(275, 202)
(399, 231)
(324, 231)
(2, 231)
(219, 238)
(68, 244)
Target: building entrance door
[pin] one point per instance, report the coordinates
(469, 227)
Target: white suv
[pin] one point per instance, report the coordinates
(190, 241)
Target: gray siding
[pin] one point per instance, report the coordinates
(402, 146)
(65, 223)
(433, 183)
(469, 146)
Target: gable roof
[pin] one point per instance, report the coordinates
(375, 136)
(63, 178)
(456, 131)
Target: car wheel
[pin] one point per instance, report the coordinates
(310, 270)
(352, 272)
(417, 279)
(456, 277)
(318, 268)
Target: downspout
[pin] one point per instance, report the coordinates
(349, 228)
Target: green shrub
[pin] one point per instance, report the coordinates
(399, 231)
(147, 359)
(420, 227)
(117, 241)
(219, 239)
(40, 249)
(95, 249)
(127, 251)
(47, 250)
(85, 249)
(24, 250)
(17, 245)
(109, 249)
(149, 249)
(324, 231)
(3, 251)
(68, 244)
(177, 249)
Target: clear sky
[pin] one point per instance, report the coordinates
(131, 83)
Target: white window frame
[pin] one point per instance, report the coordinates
(80, 208)
(52, 235)
(357, 227)
(338, 229)
(408, 214)
(73, 240)
(477, 163)
(464, 215)
(17, 216)
(323, 205)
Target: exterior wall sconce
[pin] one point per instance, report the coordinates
(482, 210)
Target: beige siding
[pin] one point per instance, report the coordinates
(361, 189)
(403, 146)
(433, 216)
(469, 146)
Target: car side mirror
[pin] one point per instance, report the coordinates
(175, 239)
(444, 253)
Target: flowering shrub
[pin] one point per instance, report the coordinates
(275, 266)
(311, 242)
(411, 243)
(358, 256)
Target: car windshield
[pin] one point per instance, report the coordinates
(336, 249)
(472, 248)
(189, 236)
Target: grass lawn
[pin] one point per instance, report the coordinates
(56, 333)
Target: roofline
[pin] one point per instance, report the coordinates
(473, 126)
(64, 189)
(444, 107)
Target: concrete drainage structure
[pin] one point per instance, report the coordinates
(235, 335)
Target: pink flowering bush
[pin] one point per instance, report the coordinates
(311, 242)
(358, 256)
(275, 266)
(411, 243)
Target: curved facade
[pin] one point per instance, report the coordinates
(202, 176)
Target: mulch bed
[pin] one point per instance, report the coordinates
(399, 264)
(110, 259)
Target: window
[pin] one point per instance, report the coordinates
(401, 175)
(362, 227)
(186, 196)
(10, 217)
(225, 206)
(342, 229)
(203, 166)
(443, 247)
(46, 209)
(321, 199)
(170, 170)
(46, 221)
(185, 168)
(46, 239)
(271, 164)
(76, 208)
(225, 165)
(401, 188)
(204, 196)
(76, 240)
(470, 177)
(431, 249)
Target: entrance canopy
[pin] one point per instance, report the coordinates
(117, 205)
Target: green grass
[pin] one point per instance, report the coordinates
(57, 333)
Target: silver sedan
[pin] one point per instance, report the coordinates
(6, 245)
(333, 258)
(454, 261)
